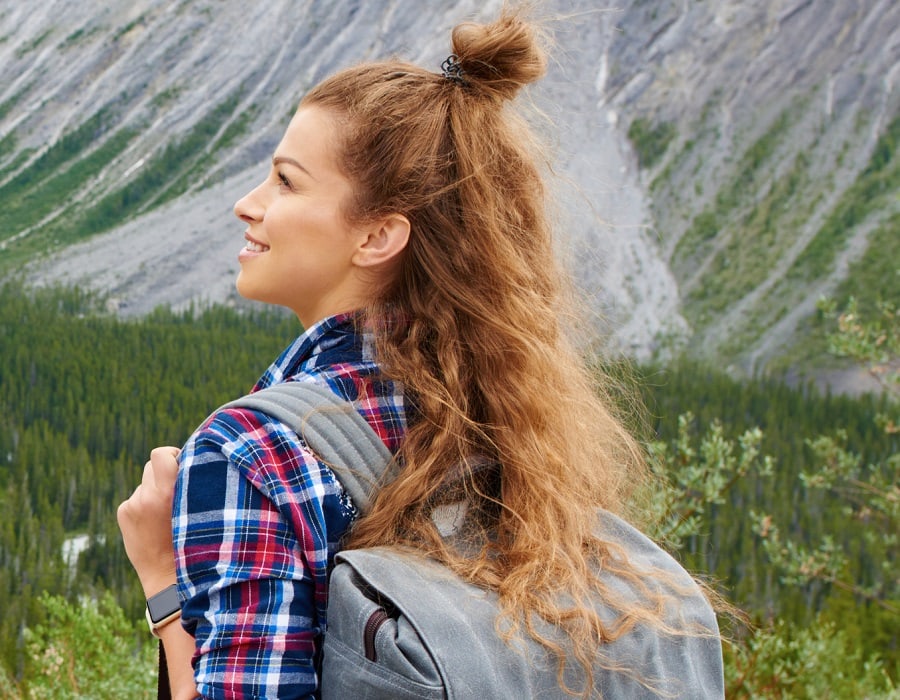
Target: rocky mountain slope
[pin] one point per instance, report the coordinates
(708, 152)
(780, 184)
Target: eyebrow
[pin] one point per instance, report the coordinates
(278, 160)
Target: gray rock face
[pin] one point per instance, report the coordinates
(777, 107)
(721, 72)
(168, 64)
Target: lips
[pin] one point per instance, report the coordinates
(251, 249)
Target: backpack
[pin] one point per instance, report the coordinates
(402, 626)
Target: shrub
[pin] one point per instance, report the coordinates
(88, 649)
(650, 141)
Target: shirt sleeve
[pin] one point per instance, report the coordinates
(257, 520)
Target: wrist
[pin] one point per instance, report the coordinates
(156, 583)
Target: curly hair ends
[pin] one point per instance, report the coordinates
(472, 326)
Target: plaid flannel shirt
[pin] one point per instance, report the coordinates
(257, 521)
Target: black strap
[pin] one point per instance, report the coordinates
(163, 692)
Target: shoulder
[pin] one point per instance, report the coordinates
(242, 435)
(242, 445)
(272, 456)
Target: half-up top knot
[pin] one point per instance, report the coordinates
(501, 57)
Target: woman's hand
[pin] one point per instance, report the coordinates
(145, 520)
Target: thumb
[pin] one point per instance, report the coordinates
(164, 465)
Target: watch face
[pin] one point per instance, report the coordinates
(163, 604)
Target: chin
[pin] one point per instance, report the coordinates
(246, 289)
(255, 292)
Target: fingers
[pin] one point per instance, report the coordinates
(167, 450)
(157, 485)
(145, 521)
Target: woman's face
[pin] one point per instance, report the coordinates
(300, 248)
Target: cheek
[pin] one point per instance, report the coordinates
(283, 224)
(309, 223)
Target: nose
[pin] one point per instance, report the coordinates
(249, 208)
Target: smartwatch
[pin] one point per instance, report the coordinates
(163, 608)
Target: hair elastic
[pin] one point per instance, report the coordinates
(452, 70)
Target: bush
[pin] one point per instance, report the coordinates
(650, 140)
(87, 650)
(818, 662)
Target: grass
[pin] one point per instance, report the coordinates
(20, 158)
(7, 146)
(34, 44)
(166, 97)
(78, 36)
(56, 156)
(875, 276)
(664, 178)
(186, 158)
(128, 27)
(60, 174)
(27, 207)
(14, 101)
(754, 217)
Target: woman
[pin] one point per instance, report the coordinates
(403, 222)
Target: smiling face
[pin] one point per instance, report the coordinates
(301, 251)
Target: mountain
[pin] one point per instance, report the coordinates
(777, 180)
(721, 164)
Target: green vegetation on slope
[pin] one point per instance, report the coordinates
(28, 199)
(763, 225)
(51, 161)
(871, 200)
(61, 182)
(708, 223)
(744, 228)
(650, 141)
(84, 397)
(874, 191)
(876, 275)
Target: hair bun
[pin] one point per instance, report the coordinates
(500, 57)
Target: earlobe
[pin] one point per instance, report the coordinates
(384, 241)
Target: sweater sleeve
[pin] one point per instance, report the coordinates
(257, 521)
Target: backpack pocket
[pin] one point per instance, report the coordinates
(371, 651)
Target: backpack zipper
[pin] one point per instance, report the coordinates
(373, 624)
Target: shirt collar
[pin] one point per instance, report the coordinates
(318, 343)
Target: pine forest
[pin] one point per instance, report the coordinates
(86, 395)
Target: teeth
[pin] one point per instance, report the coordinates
(256, 247)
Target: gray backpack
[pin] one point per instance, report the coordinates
(401, 626)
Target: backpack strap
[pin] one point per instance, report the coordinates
(335, 432)
(333, 429)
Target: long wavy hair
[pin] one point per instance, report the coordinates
(473, 325)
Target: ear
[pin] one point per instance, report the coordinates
(384, 241)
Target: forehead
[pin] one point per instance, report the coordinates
(311, 139)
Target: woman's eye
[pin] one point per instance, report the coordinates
(282, 178)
